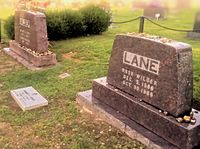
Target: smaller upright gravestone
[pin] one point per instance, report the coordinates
(150, 82)
(31, 30)
(31, 41)
(155, 10)
(196, 29)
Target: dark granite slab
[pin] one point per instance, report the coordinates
(115, 118)
(31, 30)
(154, 69)
(183, 135)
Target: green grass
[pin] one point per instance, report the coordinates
(60, 124)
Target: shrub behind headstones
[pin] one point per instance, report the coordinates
(96, 19)
(64, 24)
(9, 27)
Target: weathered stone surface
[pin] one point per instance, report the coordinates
(28, 98)
(156, 70)
(100, 110)
(31, 30)
(182, 135)
(31, 41)
(196, 29)
(38, 61)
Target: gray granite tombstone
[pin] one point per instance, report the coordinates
(196, 29)
(31, 41)
(150, 82)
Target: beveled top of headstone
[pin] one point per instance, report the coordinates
(31, 30)
(154, 69)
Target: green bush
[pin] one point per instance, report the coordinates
(96, 19)
(9, 27)
(64, 24)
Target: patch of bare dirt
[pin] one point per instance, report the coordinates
(18, 137)
(70, 56)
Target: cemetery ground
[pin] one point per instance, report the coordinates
(60, 124)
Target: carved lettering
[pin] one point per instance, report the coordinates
(141, 62)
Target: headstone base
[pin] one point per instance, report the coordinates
(182, 135)
(20, 53)
(101, 111)
(194, 35)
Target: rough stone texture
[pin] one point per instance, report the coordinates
(182, 135)
(156, 70)
(99, 110)
(196, 30)
(31, 30)
(31, 42)
(38, 61)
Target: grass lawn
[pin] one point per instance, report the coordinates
(60, 124)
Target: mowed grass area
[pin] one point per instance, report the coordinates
(60, 124)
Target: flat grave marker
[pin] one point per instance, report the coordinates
(28, 98)
(64, 75)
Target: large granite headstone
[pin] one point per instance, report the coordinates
(31, 41)
(155, 10)
(196, 29)
(156, 72)
(150, 82)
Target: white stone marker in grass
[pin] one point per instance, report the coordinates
(28, 98)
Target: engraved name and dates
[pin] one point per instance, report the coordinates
(141, 83)
(25, 33)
